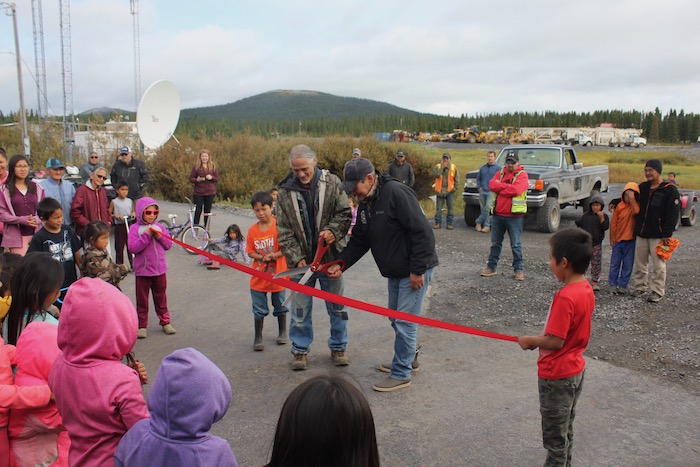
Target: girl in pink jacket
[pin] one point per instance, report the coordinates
(98, 397)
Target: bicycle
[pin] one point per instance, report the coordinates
(188, 232)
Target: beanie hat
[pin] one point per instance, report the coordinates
(654, 164)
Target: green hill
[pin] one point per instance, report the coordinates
(288, 105)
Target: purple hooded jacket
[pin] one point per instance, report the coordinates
(148, 250)
(189, 395)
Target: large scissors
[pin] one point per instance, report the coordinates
(314, 267)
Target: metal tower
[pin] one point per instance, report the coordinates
(67, 71)
(40, 61)
(137, 54)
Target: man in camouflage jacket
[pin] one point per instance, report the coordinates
(311, 204)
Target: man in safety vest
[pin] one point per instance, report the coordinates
(446, 181)
(509, 187)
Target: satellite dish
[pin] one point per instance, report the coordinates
(158, 114)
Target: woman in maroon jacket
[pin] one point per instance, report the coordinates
(90, 202)
(204, 176)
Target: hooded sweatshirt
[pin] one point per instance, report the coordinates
(148, 250)
(590, 222)
(97, 395)
(37, 436)
(624, 216)
(189, 395)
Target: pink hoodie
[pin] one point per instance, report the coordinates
(37, 436)
(97, 395)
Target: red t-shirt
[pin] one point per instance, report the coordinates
(569, 318)
(264, 243)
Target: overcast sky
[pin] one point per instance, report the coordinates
(443, 57)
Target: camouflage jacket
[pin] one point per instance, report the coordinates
(297, 230)
(97, 263)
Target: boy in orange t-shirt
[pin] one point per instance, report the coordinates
(262, 246)
(562, 343)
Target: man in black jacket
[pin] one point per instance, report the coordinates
(131, 171)
(391, 223)
(659, 208)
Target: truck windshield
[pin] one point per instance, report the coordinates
(543, 157)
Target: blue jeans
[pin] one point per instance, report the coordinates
(439, 202)
(621, 264)
(301, 330)
(403, 298)
(260, 308)
(499, 226)
(485, 203)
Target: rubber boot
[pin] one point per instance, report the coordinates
(282, 337)
(258, 343)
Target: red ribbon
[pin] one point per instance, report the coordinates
(351, 302)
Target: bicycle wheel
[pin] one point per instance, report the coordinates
(165, 223)
(194, 236)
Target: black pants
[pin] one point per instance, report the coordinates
(199, 202)
(120, 237)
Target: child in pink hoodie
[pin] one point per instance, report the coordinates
(98, 397)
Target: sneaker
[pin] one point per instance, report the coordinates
(486, 230)
(450, 226)
(386, 368)
(168, 329)
(205, 262)
(653, 297)
(595, 287)
(437, 226)
(389, 384)
(519, 276)
(478, 227)
(620, 290)
(488, 272)
(636, 292)
(339, 358)
(299, 362)
(143, 333)
(214, 265)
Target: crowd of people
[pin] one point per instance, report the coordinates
(67, 368)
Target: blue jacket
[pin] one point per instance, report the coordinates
(486, 173)
(148, 250)
(189, 395)
(63, 192)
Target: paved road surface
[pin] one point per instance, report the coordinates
(473, 402)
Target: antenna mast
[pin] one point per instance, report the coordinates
(66, 60)
(40, 61)
(137, 54)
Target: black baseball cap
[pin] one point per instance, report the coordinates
(512, 157)
(355, 171)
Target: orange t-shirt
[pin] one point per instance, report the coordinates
(264, 243)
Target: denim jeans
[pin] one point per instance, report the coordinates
(621, 264)
(403, 298)
(499, 226)
(485, 203)
(439, 202)
(260, 308)
(301, 330)
(558, 398)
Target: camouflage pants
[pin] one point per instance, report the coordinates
(558, 399)
(596, 261)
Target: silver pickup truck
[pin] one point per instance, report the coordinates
(556, 179)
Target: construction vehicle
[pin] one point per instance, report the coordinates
(471, 135)
(515, 136)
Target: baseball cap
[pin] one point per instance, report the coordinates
(125, 150)
(400, 154)
(355, 171)
(446, 156)
(512, 157)
(55, 163)
(356, 152)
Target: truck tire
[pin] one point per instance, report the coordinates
(640, 145)
(471, 213)
(589, 143)
(549, 216)
(690, 220)
(471, 139)
(586, 203)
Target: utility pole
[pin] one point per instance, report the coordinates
(137, 54)
(66, 61)
(26, 150)
(40, 61)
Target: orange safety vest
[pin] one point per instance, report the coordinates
(450, 179)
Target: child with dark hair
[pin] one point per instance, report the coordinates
(96, 261)
(58, 239)
(228, 246)
(189, 395)
(565, 337)
(264, 248)
(122, 209)
(595, 222)
(622, 238)
(325, 421)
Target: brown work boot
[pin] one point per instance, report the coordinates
(478, 227)
(299, 362)
(450, 226)
(519, 276)
(488, 272)
(486, 230)
(437, 226)
(340, 358)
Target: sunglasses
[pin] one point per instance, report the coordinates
(149, 212)
(102, 177)
(94, 157)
